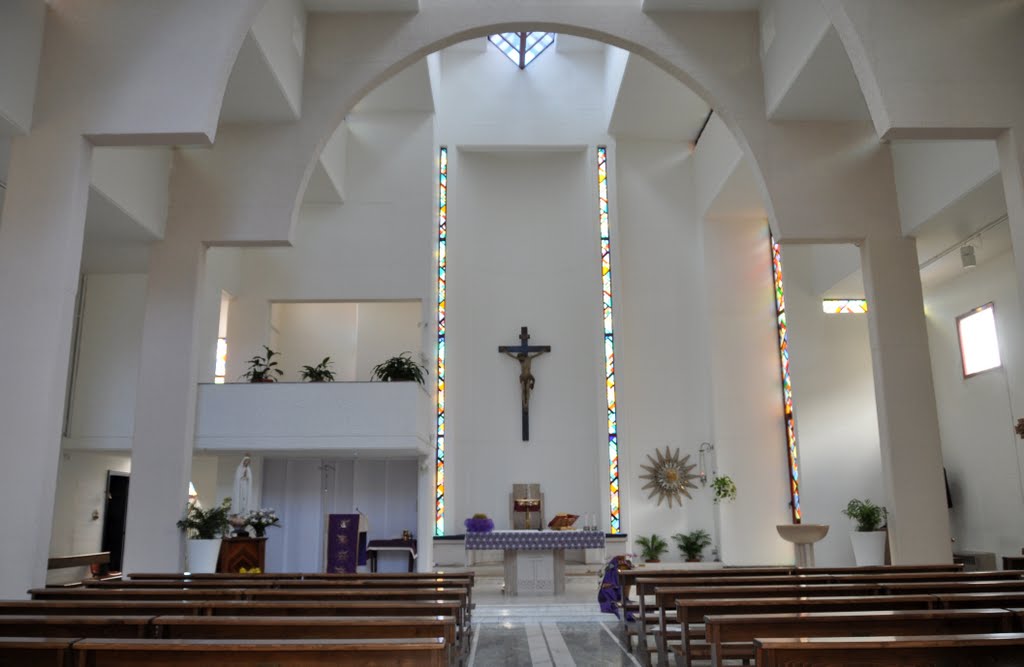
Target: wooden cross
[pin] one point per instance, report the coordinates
(524, 354)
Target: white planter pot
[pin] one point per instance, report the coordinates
(202, 555)
(869, 548)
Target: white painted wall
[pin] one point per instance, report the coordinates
(21, 41)
(387, 329)
(311, 331)
(136, 180)
(716, 157)
(834, 395)
(615, 61)
(518, 261)
(487, 100)
(662, 366)
(81, 489)
(931, 175)
(223, 271)
(103, 398)
(982, 454)
(379, 245)
(746, 393)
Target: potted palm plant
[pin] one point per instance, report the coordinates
(400, 369)
(319, 373)
(869, 537)
(691, 545)
(204, 529)
(651, 548)
(262, 368)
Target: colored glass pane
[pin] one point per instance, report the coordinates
(787, 385)
(522, 48)
(442, 262)
(609, 338)
(837, 306)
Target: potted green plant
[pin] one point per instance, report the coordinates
(262, 368)
(724, 488)
(400, 369)
(651, 548)
(692, 544)
(319, 373)
(204, 529)
(869, 537)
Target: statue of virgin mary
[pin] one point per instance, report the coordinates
(242, 494)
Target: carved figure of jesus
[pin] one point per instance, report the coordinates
(526, 379)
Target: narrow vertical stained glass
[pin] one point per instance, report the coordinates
(442, 262)
(787, 385)
(609, 338)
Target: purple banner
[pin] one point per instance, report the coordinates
(342, 542)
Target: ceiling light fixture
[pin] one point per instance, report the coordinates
(967, 258)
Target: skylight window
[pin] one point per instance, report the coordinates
(522, 48)
(979, 346)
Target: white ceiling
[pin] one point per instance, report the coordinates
(362, 5)
(253, 94)
(691, 5)
(653, 105)
(826, 88)
(409, 90)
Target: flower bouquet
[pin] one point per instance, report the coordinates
(479, 523)
(262, 519)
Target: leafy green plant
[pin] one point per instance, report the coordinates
(400, 369)
(651, 548)
(262, 368)
(205, 524)
(319, 373)
(868, 515)
(692, 544)
(724, 487)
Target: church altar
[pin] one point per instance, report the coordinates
(535, 559)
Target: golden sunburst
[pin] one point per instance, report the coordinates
(669, 476)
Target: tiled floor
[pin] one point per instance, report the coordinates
(553, 631)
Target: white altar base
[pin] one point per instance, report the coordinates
(534, 561)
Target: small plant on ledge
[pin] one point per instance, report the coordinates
(692, 544)
(400, 369)
(262, 368)
(319, 373)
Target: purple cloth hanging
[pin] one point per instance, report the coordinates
(609, 595)
(342, 542)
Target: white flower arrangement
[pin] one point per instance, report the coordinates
(262, 519)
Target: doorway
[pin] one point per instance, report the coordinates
(115, 513)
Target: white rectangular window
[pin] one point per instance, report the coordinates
(979, 345)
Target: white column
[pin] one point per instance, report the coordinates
(1011, 163)
(166, 402)
(425, 518)
(908, 424)
(40, 255)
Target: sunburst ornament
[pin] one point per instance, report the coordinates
(669, 476)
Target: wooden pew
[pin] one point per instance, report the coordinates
(691, 613)
(736, 633)
(55, 625)
(36, 651)
(283, 652)
(995, 649)
(309, 627)
(979, 600)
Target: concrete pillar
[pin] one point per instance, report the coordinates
(166, 402)
(40, 255)
(1011, 163)
(908, 424)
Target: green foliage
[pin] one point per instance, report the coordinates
(651, 548)
(206, 524)
(319, 373)
(725, 488)
(479, 515)
(400, 369)
(868, 515)
(262, 369)
(692, 544)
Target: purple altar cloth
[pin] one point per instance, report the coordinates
(535, 540)
(345, 544)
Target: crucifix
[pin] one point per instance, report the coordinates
(524, 354)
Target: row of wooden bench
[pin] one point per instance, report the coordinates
(673, 607)
(286, 620)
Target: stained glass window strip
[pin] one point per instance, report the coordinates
(220, 367)
(442, 263)
(609, 339)
(522, 48)
(787, 384)
(841, 306)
